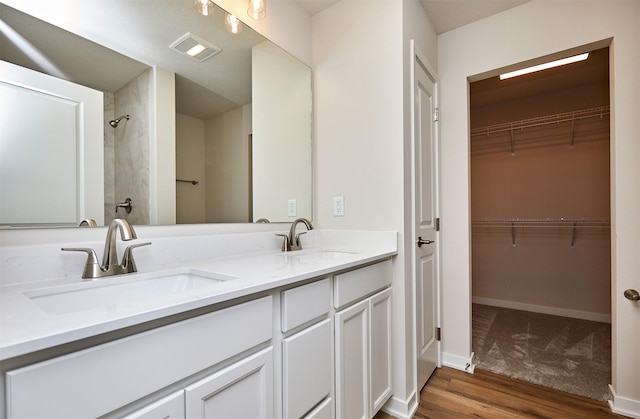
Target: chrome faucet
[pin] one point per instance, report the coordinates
(292, 240)
(89, 222)
(110, 265)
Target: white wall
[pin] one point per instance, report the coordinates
(162, 147)
(227, 166)
(357, 58)
(281, 86)
(190, 157)
(361, 66)
(537, 29)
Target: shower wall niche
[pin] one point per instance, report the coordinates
(540, 201)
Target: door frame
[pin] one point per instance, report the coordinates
(419, 58)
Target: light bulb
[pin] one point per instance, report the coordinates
(257, 9)
(204, 7)
(232, 23)
(545, 66)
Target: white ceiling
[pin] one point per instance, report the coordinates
(445, 15)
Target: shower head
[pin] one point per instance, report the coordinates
(116, 121)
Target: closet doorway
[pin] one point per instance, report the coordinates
(540, 210)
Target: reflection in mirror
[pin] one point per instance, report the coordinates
(238, 124)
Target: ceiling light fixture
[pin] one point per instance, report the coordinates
(232, 23)
(195, 47)
(195, 50)
(204, 7)
(545, 66)
(257, 9)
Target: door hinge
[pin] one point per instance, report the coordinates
(438, 334)
(436, 114)
(438, 224)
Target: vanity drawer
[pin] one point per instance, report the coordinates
(305, 303)
(352, 286)
(95, 381)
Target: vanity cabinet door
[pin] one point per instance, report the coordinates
(241, 390)
(363, 357)
(380, 349)
(306, 369)
(352, 361)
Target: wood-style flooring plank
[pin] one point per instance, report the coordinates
(450, 393)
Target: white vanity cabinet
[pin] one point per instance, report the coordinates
(99, 380)
(307, 361)
(363, 340)
(318, 349)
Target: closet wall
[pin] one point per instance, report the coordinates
(540, 198)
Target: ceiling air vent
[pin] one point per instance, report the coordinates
(195, 47)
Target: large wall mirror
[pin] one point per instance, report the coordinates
(238, 143)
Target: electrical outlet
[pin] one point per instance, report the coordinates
(338, 206)
(292, 209)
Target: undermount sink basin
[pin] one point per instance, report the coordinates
(115, 295)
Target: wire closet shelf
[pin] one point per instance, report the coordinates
(515, 224)
(550, 130)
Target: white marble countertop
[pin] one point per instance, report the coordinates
(27, 326)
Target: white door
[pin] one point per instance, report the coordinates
(425, 219)
(51, 150)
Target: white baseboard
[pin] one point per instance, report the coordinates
(401, 409)
(624, 406)
(555, 311)
(459, 362)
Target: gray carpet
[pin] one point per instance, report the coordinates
(569, 355)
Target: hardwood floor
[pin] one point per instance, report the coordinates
(450, 393)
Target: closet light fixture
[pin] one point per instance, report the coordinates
(204, 7)
(257, 9)
(545, 66)
(232, 23)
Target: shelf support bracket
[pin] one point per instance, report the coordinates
(573, 122)
(573, 234)
(513, 143)
(513, 234)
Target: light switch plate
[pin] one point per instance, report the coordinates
(292, 208)
(338, 206)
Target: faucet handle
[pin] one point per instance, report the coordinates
(298, 238)
(92, 267)
(128, 263)
(286, 246)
